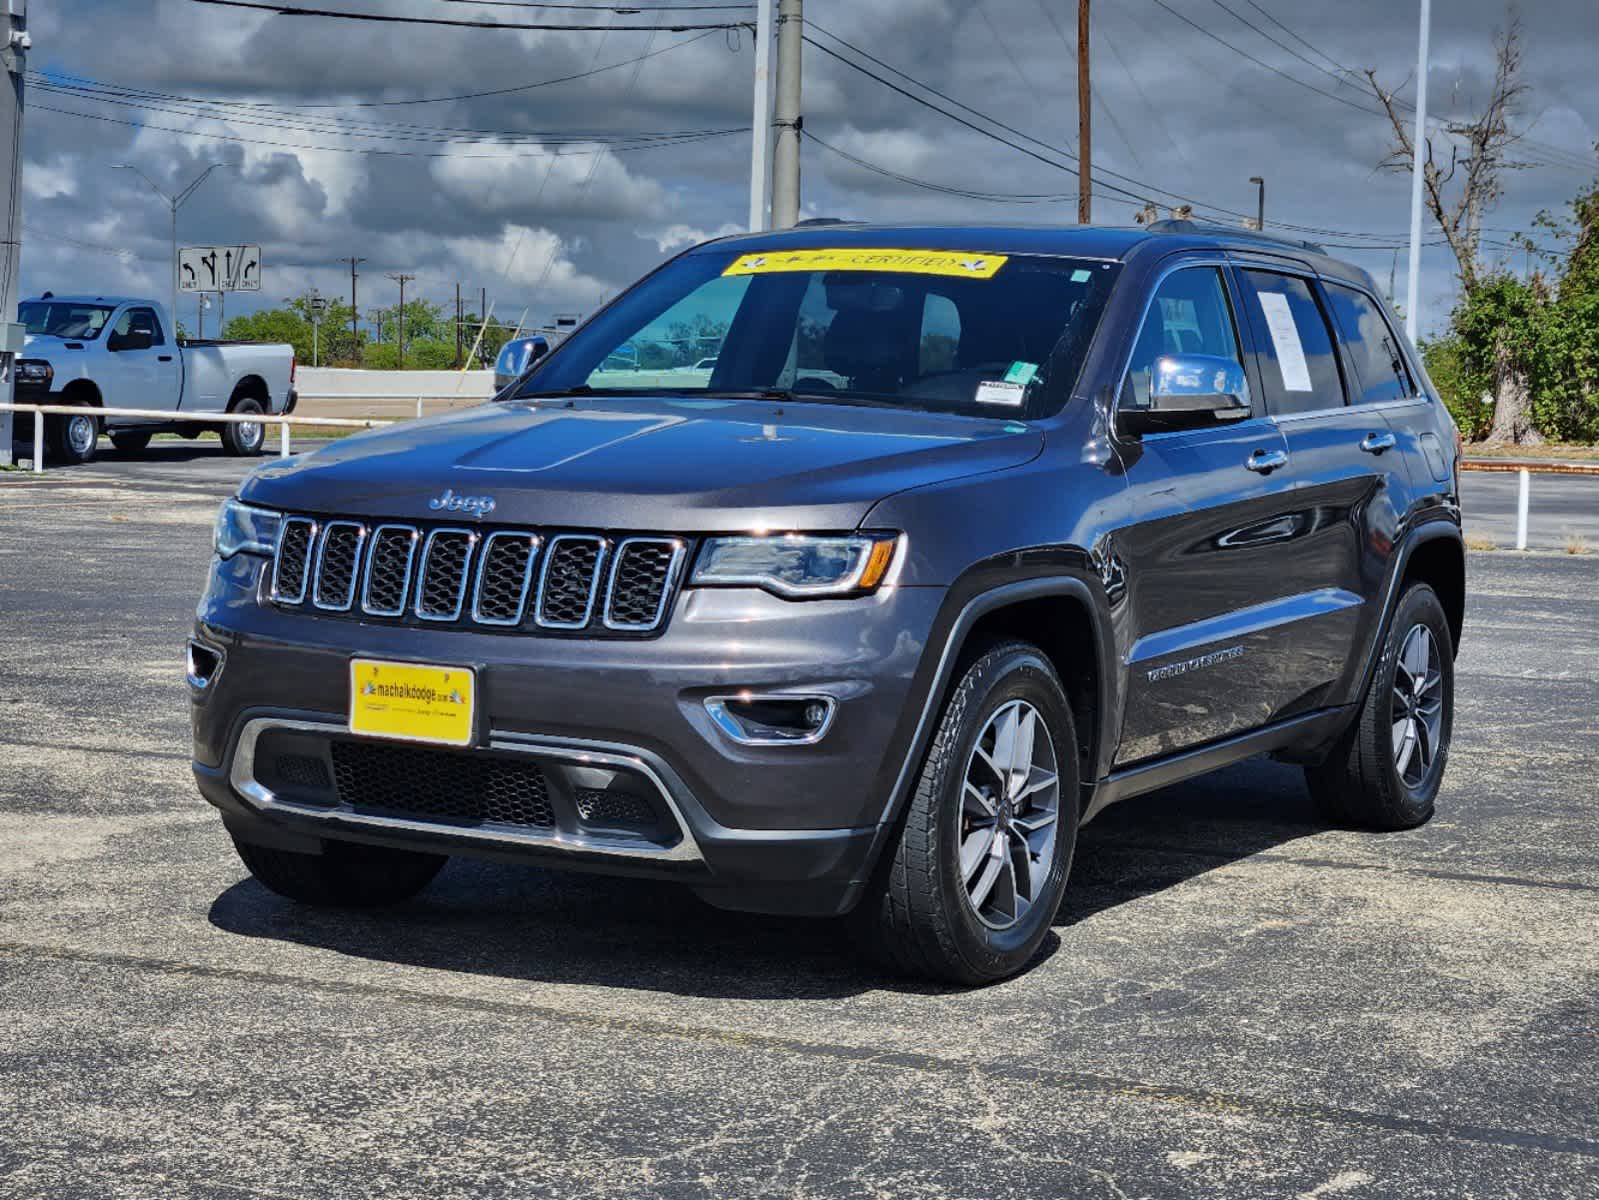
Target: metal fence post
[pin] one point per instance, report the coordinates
(419, 408)
(38, 443)
(283, 439)
(1521, 508)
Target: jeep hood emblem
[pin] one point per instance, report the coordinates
(478, 506)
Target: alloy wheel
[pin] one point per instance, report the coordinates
(1418, 706)
(1009, 815)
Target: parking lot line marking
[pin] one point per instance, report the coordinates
(1174, 1095)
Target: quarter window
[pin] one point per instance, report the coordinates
(1188, 314)
(1298, 369)
(1381, 374)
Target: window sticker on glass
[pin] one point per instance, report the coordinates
(1000, 392)
(1080, 276)
(1021, 372)
(960, 263)
(1285, 339)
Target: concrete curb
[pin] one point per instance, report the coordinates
(1533, 465)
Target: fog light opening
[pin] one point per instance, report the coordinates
(201, 665)
(772, 720)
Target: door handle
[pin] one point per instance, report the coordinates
(163, 358)
(1376, 443)
(1264, 462)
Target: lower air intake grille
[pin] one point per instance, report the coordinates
(434, 785)
(612, 808)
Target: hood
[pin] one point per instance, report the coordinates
(667, 464)
(36, 344)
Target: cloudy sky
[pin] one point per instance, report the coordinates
(428, 150)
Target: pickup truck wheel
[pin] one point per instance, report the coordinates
(344, 875)
(130, 443)
(243, 439)
(1384, 772)
(73, 438)
(969, 891)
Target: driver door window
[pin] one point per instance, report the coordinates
(1188, 314)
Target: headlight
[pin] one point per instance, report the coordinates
(35, 370)
(798, 564)
(245, 529)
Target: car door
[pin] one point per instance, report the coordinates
(1198, 544)
(1347, 473)
(138, 376)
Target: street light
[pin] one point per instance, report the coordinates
(175, 202)
(1260, 202)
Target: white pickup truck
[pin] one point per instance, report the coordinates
(123, 352)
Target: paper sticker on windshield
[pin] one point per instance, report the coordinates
(999, 392)
(959, 263)
(1021, 372)
(1285, 339)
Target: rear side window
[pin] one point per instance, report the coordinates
(1189, 314)
(1381, 374)
(1298, 368)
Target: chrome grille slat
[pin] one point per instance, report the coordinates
(643, 570)
(291, 567)
(338, 565)
(444, 574)
(504, 575)
(389, 560)
(568, 580)
(504, 579)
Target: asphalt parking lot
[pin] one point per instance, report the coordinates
(1239, 1002)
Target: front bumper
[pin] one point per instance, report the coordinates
(776, 828)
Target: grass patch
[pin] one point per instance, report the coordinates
(1481, 541)
(1575, 543)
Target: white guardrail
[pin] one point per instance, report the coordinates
(40, 411)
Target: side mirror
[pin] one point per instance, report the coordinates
(134, 339)
(536, 350)
(1188, 391)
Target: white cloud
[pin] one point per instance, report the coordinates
(495, 176)
(45, 182)
(535, 260)
(673, 237)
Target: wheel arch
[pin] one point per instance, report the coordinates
(251, 387)
(83, 391)
(1438, 559)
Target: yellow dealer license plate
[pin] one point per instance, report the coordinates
(412, 702)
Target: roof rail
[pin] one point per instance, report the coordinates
(821, 221)
(1196, 227)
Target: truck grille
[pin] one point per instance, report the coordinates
(509, 579)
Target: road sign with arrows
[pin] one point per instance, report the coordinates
(219, 269)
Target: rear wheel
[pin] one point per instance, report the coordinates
(1385, 771)
(244, 438)
(130, 443)
(344, 875)
(969, 891)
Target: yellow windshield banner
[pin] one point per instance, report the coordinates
(960, 263)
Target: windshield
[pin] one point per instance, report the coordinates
(945, 331)
(64, 319)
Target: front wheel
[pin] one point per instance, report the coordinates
(344, 875)
(75, 436)
(1385, 771)
(968, 892)
(244, 439)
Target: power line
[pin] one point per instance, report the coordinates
(292, 10)
(945, 189)
(626, 9)
(505, 91)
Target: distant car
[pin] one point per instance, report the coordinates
(119, 352)
(706, 364)
(516, 356)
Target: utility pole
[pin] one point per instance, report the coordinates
(1085, 123)
(402, 279)
(355, 329)
(1260, 203)
(787, 121)
(761, 121)
(14, 55)
(174, 201)
(458, 319)
(1417, 165)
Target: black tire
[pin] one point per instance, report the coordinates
(73, 438)
(1361, 781)
(239, 440)
(130, 443)
(344, 875)
(917, 916)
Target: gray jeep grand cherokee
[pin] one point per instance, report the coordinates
(966, 534)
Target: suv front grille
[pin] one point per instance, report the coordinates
(509, 579)
(436, 785)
